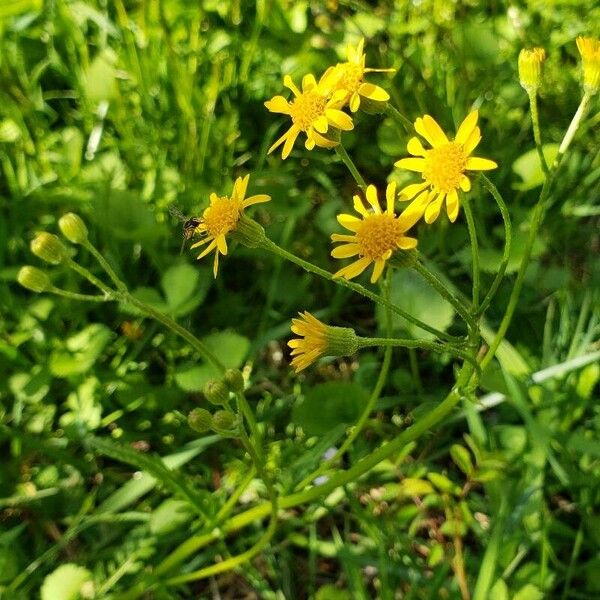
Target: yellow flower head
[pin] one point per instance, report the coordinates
(589, 48)
(349, 77)
(222, 216)
(443, 168)
(374, 237)
(530, 68)
(317, 340)
(314, 110)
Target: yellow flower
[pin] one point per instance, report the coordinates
(443, 168)
(222, 216)
(530, 68)
(349, 77)
(589, 48)
(374, 237)
(317, 340)
(314, 111)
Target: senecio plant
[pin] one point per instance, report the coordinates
(377, 234)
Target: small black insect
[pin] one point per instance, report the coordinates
(190, 224)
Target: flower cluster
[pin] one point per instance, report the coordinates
(317, 109)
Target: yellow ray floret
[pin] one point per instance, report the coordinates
(349, 78)
(314, 111)
(312, 343)
(443, 168)
(589, 48)
(376, 235)
(221, 217)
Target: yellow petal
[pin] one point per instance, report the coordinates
(278, 104)
(433, 209)
(411, 191)
(310, 142)
(208, 249)
(321, 124)
(472, 141)
(289, 143)
(256, 199)
(308, 82)
(354, 102)
(412, 164)
(377, 270)
(414, 211)
(288, 83)
(359, 207)
(216, 265)
(407, 243)
(342, 237)
(321, 141)
(466, 127)
(465, 184)
(201, 243)
(373, 92)
(415, 147)
(435, 131)
(390, 197)
(429, 132)
(372, 198)
(452, 205)
(239, 187)
(280, 141)
(339, 119)
(345, 251)
(354, 269)
(349, 222)
(474, 163)
(222, 244)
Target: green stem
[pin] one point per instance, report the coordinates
(341, 152)
(360, 424)
(537, 137)
(271, 246)
(105, 265)
(445, 293)
(430, 420)
(76, 296)
(507, 243)
(192, 340)
(474, 253)
(109, 292)
(395, 114)
(536, 221)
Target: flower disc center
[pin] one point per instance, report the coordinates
(378, 235)
(307, 108)
(444, 166)
(221, 216)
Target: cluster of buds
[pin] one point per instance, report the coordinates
(49, 248)
(531, 61)
(218, 392)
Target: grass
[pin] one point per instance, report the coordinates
(117, 110)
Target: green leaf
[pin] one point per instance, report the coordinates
(30, 387)
(529, 592)
(329, 404)
(100, 80)
(460, 455)
(330, 592)
(229, 347)
(185, 287)
(170, 515)
(84, 406)
(411, 293)
(192, 377)
(529, 167)
(65, 583)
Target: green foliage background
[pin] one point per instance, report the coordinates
(115, 110)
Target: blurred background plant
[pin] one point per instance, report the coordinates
(115, 110)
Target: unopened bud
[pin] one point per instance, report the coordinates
(224, 420)
(530, 68)
(73, 228)
(216, 392)
(34, 279)
(49, 248)
(234, 380)
(200, 420)
(589, 48)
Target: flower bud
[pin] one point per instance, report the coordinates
(33, 279)
(216, 392)
(589, 48)
(73, 228)
(224, 420)
(200, 420)
(248, 232)
(49, 248)
(530, 68)
(318, 339)
(234, 380)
